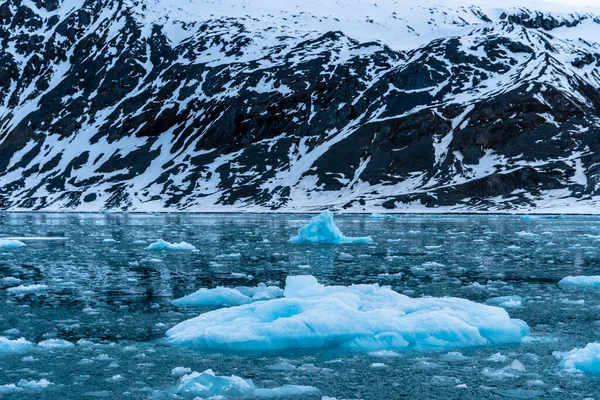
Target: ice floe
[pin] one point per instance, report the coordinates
(580, 281)
(55, 344)
(11, 244)
(322, 229)
(506, 301)
(207, 384)
(223, 296)
(586, 360)
(361, 317)
(23, 289)
(163, 245)
(14, 346)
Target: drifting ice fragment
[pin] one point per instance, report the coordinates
(506, 301)
(222, 296)
(207, 384)
(363, 317)
(11, 244)
(580, 281)
(586, 360)
(55, 344)
(162, 245)
(22, 289)
(322, 229)
(14, 346)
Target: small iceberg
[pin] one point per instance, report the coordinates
(322, 229)
(51, 344)
(23, 289)
(11, 244)
(163, 245)
(580, 281)
(360, 317)
(586, 360)
(223, 296)
(14, 346)
(209, 385)
(506, 301)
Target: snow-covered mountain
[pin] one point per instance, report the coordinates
(295, 105)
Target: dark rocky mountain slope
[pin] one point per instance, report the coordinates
(226, 105)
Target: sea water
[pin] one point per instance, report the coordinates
(86, 287)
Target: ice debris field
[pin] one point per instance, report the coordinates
(366, 307)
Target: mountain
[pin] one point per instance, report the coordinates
(356, 105)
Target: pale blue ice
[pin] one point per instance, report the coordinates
(322, 229)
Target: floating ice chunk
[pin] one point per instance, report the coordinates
(580, 281)
(453, 356)
(180, 371)
(573, 302)
(363, 317)
(10, 389)
(506, 301)
(55, 344)
(240, 275)
(10, 280)
(282, 366)
(497, 357)
(378, 365)
(222, 296)
(34, 385)
(11, 244)
(529, 217)
(162, 245)
(207, 384)
(384, 353)
(586, 360)
(27, 289)
(14, 346)
(322, 229)
(345, 256)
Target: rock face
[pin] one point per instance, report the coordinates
(224, 105)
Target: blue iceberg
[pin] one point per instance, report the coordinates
(322, 229)
(580, 281)
(223, 296)
(163, 245)
(11, 244)
(14, 346)
(586, 360)
(360, 317)
(207, 384)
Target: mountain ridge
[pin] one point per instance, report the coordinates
(118, 105)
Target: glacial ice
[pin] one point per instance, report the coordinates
(22, 289)
(223, 296)
(14, 346)
(506, 301)
(322, 229)
(207, 384)
(50, 344)
(361, 317)
(11, 244)
(586, 360)
(580, 281)
(163, 245)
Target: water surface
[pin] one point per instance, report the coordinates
(106, 291)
